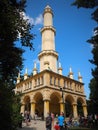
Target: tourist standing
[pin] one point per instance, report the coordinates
(27, 117)
(61, 121)
(52, 116)
(48, 122)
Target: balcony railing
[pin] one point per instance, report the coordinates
(52, 80)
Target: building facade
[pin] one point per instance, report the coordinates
(49, 90)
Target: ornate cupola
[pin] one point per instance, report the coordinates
(26, 74)
(79, 77)
(48, 53)
(60, 69)
(70, 73)
(34, 69)
(18, 78)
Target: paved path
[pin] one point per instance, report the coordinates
(34, 125)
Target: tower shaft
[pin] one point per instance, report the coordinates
(48, 53)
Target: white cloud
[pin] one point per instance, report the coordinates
(30, 19)
(33, 21)
(39, 20)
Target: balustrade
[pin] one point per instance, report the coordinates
(51, 80)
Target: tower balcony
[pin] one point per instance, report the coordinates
(48, 52)
(48, 28)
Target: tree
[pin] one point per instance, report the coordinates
(93, 85)
(13, 27)
(16, 116)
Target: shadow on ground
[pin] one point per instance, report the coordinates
(27, 128)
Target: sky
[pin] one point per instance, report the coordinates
(73, 28)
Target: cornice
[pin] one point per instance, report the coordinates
(48, 52)
(48, 28)
(48, 10)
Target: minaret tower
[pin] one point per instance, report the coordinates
(48, 53)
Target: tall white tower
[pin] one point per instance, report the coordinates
(48, 53)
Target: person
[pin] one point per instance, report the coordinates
(65, 125)
(35, 118)
(61, 121)
(70, 120)
(20, 120)
(48, 122)
(56, 126)
(27, 117)
(52, 116)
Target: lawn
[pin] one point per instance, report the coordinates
(82, 128)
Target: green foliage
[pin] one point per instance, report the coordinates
(88, 4)
(5, 106)
(12, 23)
(16, 116)
(93, 85)
(95, 15)
(13, 27)
(85, 3)
(11, 61)
(9, 107)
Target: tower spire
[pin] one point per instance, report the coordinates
(48, 31)
(48, 53)
(70, 73)
(18, 78)
(60, 69)
(34, 69)
(48, 14)
(79, 77)
(26, 74)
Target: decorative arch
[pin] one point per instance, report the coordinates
(82, 100)
(69, 100)
(39, 107)
(54, 106)
(80, 103)
(26, 101)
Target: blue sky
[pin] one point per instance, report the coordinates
(73, 27)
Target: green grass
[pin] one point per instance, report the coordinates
(82, 128)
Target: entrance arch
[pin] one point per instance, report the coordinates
(27, 103)
(39, 107)
(54, 106)
(68, 105)
(80, 106)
